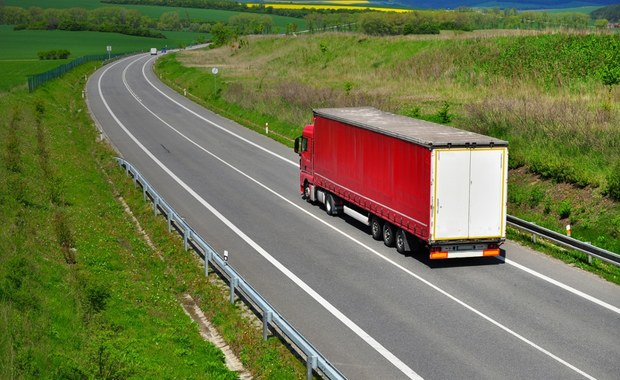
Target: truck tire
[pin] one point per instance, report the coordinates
(401, 241)
(307, 192)
(330, 205)
(388, 234)
(376, 228)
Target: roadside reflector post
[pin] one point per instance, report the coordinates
(267, 315)
(266, 128)
(568, 230)
(184, 92)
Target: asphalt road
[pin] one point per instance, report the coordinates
(372, 312)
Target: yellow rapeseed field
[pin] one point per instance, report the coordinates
(337, 4)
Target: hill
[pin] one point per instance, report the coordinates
(518, 4)
(610, 13)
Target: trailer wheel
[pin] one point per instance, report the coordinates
(330, 205)
(401, 242)
(388, 234)
(376, 228)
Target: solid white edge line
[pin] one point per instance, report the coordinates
(411, 374)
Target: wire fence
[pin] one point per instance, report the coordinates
(37, 80)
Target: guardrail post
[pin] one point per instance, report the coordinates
(207, 259)
(233, 285)
(144, 190)
(589, 255)
(311, 363)
(267, 315)
(169, 217)
(156, 206)
(186, 238)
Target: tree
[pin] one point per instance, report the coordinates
(601, 23)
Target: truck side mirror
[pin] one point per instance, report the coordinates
(297, 141)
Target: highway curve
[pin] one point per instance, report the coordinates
(374, 313)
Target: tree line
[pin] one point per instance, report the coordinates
(127, 21)
(109, 19)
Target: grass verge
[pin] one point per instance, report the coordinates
(81, 293)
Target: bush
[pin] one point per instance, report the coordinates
(613, 183)
(565, 209)
(54, 54)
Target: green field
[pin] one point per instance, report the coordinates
(18, 49)
(24, 44)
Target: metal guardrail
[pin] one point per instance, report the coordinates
(270, 316)
(565, 241)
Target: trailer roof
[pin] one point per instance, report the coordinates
(405, 128)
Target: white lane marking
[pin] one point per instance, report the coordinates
(215, 124)
(563, 286)
(411, 374)
(520, 266)
(419, 278)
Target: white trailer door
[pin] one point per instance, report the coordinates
(469, 193)
(451, 194)
(486, 199)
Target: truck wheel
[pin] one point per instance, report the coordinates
(376, 228)
(401, 242)
(307, 192)
(388, 234)
(330, 205)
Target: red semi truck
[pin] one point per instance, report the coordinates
(420, 186)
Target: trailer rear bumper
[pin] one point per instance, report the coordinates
(458, 251)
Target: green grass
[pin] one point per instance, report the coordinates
(15, 73)
(79, 298)
(81, 293)
(556, 114)
(25, 44)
